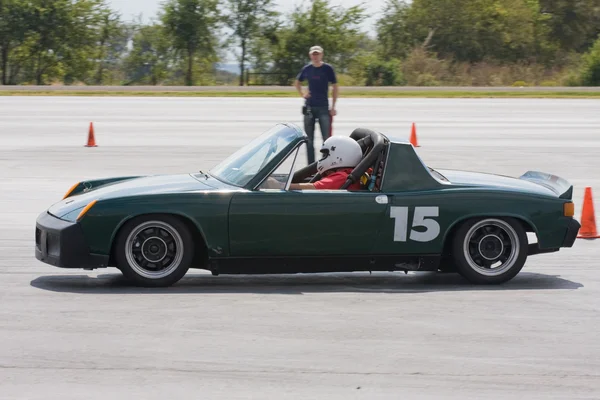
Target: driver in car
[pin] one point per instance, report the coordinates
(341, 154)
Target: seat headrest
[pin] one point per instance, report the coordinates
(367, 138)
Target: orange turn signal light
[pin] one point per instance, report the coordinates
(86, 209)
(569, 209)
(70, 190)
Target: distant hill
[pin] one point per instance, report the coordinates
(229, 67)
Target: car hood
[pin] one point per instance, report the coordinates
(156, 184)
(479, 179)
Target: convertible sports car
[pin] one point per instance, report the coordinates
(234, 220)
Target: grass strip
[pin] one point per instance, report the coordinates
(344, 93)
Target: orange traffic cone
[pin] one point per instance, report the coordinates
(91, 139)
(588, 217)
(413, 136)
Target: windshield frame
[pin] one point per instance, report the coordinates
(296, 137)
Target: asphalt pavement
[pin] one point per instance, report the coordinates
(78, 334)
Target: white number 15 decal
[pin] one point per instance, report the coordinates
(420, 219)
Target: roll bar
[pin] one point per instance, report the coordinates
(368, 138)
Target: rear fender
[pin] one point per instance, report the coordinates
(527, 223)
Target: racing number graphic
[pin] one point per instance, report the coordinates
(421, 218)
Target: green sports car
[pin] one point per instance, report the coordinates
(406, 217)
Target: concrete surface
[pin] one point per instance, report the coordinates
(76, 334)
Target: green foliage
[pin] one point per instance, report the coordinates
(421, 68)
(248, 19)
(149, 61)
(59, 34)
(43, 41)
(474, 30)
(383, 73)
(192, 26)
(573, 24)
(590, 75)
(112, 37)
(392, 31)
(416, 42)
(333, 28)
(12, 34)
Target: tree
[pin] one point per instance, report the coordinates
(13, 17)
(191, 25)
(42, 40)
(61, 33)
(477, 29)
(336, 29)
(113, 37)
(591, 66)
(574, 24)
(151, 57)
(392, 33)
(246, 19)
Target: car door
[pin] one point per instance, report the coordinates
(414, 223)
(305, 223)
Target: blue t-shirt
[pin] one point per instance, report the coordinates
(318, 83)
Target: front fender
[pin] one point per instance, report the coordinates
(207, 212)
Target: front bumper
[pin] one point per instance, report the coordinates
(62, 244)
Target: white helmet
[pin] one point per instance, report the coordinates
(339, 152)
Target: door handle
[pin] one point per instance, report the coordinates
(381, 199)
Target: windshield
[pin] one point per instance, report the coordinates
(239, 168)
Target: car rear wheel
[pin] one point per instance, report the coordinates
(491, 250)
(154, 251)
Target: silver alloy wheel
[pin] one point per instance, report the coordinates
(488, 242)
(154, 249)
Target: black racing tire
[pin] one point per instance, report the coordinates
(154, 250)
(490, 240)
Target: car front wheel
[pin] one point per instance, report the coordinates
(154, 251)
(491, 250)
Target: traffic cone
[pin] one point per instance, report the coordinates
(413, 136)
(588, 217)
(91, 139)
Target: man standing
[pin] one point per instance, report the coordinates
(319, 75)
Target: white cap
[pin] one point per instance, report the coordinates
(315, 49)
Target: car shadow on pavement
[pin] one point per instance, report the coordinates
(299, 284)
